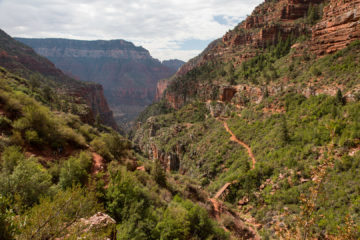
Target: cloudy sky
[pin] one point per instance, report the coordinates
(167, 28)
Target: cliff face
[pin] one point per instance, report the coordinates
(339, 26)
(269, 21)
(93, 94)
(128, 73)
(160, 88)
(19, 58)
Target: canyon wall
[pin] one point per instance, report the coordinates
(267, 22)
(22, 60)
(128, 73)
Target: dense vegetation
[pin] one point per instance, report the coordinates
(304, 183)
(48, 182)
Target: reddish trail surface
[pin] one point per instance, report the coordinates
(222, 190)
(235, 139)
(98, 163)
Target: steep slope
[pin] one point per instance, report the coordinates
(20, 59)
(286, 83)
(62, 179)
(128, 73)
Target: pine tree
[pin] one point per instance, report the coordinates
(159, 174)
(339, 97)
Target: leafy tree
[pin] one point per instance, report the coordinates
(231, 73)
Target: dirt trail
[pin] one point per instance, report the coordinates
(235, 139)
(222, 190)
(98, 163)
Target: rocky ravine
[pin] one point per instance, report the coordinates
(128, 73)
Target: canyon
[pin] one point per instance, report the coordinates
(21, 59)
(128, 74)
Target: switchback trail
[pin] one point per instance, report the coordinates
(235, 139)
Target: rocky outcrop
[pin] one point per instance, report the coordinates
(98, 227)
(145, 139)
(160, 88)
(128, 73)
(93, 95)
(227, 93)
(339, 26)
(19, 58)
(97, 222)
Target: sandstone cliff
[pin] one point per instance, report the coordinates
(339, 26)
(128, 73)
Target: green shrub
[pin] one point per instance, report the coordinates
(102, 148)
(10, 158)
(32, 137)
(75, 170)
(315, 71)
(125, 197)
(52, 217)
(110, 146)
(185, 220)
(88, 132)
(28, 180)
(70, 135)
(7, 225)
(16, 138)
(5, 124)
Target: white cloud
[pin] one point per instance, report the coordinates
(157, 25)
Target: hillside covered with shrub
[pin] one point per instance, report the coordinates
(63, 178)
(266, 120)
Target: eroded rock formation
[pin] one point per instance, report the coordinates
(339, 26)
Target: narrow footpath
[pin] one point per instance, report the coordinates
(235, 139)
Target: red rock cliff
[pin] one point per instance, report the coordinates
(160, 88)
(339, 26)
(268, 21)
(93, 95)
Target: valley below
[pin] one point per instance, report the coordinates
(257, 137)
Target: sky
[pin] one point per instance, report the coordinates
(169, 29)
